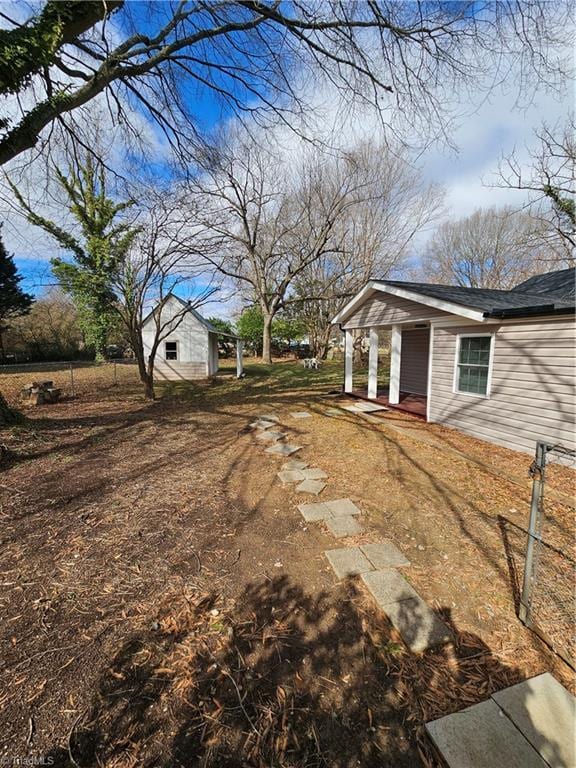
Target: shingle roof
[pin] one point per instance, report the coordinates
(561, 283)
(552, 292)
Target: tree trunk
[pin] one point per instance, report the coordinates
(145, 371)
(267, 338)
(9, 415)
(148, 381)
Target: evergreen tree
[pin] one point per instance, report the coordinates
(14, 302)
(97, 255)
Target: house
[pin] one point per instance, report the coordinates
(188, 347)
(498, 365)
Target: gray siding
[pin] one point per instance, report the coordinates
(384, 309)
(532, 393)
(414, 361)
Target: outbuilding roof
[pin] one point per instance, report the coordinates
(209, 327)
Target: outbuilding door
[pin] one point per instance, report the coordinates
(414, 361)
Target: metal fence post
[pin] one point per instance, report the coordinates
(534, 527)
(72, 380)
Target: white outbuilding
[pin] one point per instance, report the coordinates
(188, 347)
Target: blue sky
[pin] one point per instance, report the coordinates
(481, 138)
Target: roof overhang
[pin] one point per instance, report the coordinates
(375, 286)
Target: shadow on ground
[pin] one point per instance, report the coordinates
(285, 679)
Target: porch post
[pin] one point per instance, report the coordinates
(239, 361)
(348, 360)
(395, 354)
(373, 365)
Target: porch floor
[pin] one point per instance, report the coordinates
(409, 402)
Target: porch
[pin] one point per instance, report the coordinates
(407, 389)
(408, 402)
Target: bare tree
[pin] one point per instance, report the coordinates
(276, 221)
(373, 235)
(492, 248)
(160, 262)
(550, 179)
(407, 58)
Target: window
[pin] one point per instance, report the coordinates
(171, 350)
(473, 365)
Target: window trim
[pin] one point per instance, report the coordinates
(177, 358)
(459, 337)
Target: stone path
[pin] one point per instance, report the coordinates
(529, 725)
(372, 557)
(416, 622)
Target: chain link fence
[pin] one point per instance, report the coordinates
(73, 379)
(548, 599)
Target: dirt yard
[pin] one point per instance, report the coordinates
(164, 604)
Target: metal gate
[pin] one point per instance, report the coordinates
(548, 601)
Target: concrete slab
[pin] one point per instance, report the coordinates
(364, 407)
(348, 561)
(384, 554)
(311, 486)
(314, 513)
(314, 474)
(389, 587)
(545, 713)
(283, 449)
(343, 525)
(291, 476)
(343, 507)
(269, 436)
(419, 626)
(261, 424)
(294, 464)
(482, 737)
(300, 415)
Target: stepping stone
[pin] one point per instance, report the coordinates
(301, 415)
(343, 507)
(268, 417)
(332, 412)
(314, 474)
(384, 555)
(291, 476)
(283, 449)
(261, 424)
(389, 587)
(545, 713)
(269, 436)
(419, 626)
(483, 737)
(349, 561)
(314, 513)
(294, 464)
(311, 486)
(369, 407)
(409, 613)
(343, 525)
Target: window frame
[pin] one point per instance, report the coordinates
(172, 359)
(460, 336)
